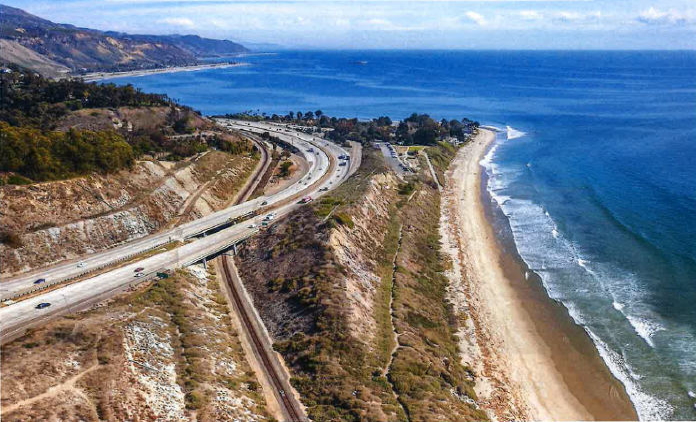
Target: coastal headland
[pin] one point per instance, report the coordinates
(531, 360)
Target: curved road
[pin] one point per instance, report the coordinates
(318, 161)
(323, 173)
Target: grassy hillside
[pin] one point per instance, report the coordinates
(352, 292)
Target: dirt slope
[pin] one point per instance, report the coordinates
(14, 52)
(166, 352)
(64, 219)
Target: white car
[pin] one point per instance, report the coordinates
(81, 265)
(138, 275)
(253, 226)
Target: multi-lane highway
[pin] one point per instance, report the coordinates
(318, 161)
(324, 173)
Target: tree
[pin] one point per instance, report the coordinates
(425, 136)
(383, 121)
(285, 168)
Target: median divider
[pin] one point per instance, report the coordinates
(47, 285)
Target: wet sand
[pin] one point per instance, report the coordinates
(531, 360)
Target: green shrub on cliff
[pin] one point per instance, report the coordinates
(43, 156)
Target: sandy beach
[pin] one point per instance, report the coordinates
(532, 362)
(91, 77)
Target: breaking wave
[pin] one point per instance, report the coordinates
(513, 133)
(572, 278)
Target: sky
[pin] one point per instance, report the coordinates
(387, 24)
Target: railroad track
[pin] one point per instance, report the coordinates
(249, 187)
(280, 389)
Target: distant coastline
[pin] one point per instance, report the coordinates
(97, 76)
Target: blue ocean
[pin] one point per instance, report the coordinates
(594, 168)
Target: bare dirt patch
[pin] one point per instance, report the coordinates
(167, 351)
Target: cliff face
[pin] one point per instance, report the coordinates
(352, 291)
(80, 49)
(64, 219)
(317, 284)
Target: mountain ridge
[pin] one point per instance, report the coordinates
(67, 49)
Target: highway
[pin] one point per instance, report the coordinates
(323, 173)
(318, 161)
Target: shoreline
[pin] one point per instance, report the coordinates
(98, 76)
(531, 360)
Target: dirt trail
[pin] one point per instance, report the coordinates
(432, 172)
(392, 316)
(52, 391)
(395, 334)
(243, 194)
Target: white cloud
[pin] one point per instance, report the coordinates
(577, 16)
(531, 15)
(477, 18)
(653, 16)
(181, 22)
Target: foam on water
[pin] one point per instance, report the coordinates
(546, 251)
(618, 306)
(644, 328)
(648, 407)
(513, 133)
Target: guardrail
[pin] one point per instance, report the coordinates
(195, 258)
(215, 249)
(231, 221)
(46, 285)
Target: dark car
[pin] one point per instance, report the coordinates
(43, 305)
(264, 203)
(137, 270)
(39, 281)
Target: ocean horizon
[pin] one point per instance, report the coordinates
(592, 168)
